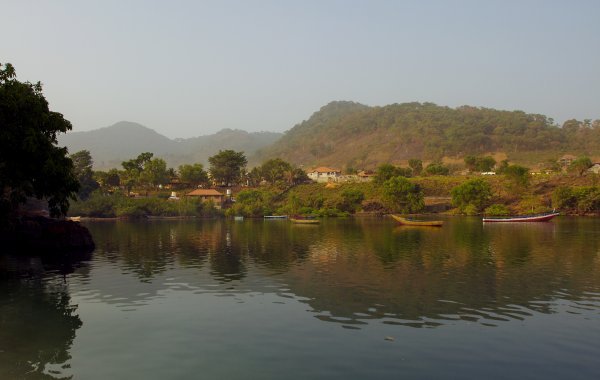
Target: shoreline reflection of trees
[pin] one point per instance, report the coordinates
(354, 270)
(38, 323)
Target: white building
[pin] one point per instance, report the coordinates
(324, 174)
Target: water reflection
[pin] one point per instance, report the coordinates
(37, 320)
(352, 271)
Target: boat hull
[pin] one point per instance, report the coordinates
(522, 219)
(419, 223)
(304, 221)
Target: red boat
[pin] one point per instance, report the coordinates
(520, 219)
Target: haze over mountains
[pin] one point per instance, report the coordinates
(111, 145)
(348, 134)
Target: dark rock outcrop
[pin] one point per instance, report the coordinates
(44, 236)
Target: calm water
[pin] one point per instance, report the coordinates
(350, 299)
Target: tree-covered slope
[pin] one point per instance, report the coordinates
(350, 134)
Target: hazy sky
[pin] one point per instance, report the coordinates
(189, 68)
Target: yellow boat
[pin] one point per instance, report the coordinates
(304, 221)
(421, 223)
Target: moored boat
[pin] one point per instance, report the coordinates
(420, 223)
(302, 220)
(521, 219)
(275, 216)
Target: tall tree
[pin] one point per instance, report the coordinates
(416, 165)
(82, 167)
(31, 165)
(155, 172)
(275, 169)
(227, 166)
(193, 174)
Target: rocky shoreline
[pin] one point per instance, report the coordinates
(38, 235)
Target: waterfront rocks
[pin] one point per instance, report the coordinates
(44, 236)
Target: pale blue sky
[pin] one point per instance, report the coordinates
(189, 68)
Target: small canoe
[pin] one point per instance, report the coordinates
(420, 223)
(276, 216)
(304, 221)
(522, 219)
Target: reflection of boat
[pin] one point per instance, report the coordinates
(420, 223)
(303, 220)
(525, 218)
(276, 216)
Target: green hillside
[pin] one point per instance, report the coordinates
(347, 134)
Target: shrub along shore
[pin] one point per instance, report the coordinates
(467, 195)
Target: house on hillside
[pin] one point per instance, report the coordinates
(566, 160)
(365, 175)
(208, 195)
(324, 174)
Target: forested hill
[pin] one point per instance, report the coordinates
(111, 145)
(346, 134)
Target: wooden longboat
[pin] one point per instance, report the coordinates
(418, 223)
(522, 219)
(299, 220)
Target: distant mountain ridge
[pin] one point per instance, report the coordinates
(111, 145)
(347, 134)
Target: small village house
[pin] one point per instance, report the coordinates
(324, 174)
(566, 160)
(208, 195)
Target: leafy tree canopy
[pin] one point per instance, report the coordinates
(276, 169)
(30, 162)
(387, 171)
(402, 195)
(475, 193)
(82, 167)
(227, 166)
(155, 172)
(194, 174)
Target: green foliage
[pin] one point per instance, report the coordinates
(582, 199)
(497, 210)
(112, 178)
(563, 198)
(154, 173)
(475, 193)
(517, 175)
(118, 205)
(387, 171)
(436, 168)
(479, 163)
(276, 170)
(351, 200)
(227, 167)
(31, 165)
(580, 165)
(401, 195)
(252, 203)
(193, 174)
(416, 166)
(82, 168)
